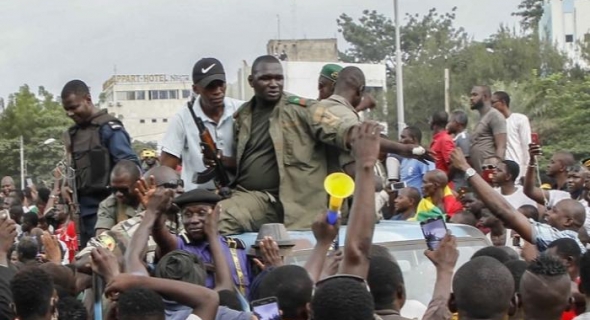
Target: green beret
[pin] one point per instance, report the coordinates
(330, 71)
(197, 196)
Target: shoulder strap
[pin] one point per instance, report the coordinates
(190, 106)
(232, 245)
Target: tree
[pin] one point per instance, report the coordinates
(530, 13)
(36, 118)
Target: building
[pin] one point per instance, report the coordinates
(301, 78)
(312, 50)
(565, 23)
(145, 103)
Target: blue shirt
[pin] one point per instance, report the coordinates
(412, 171)
(119, 145)
(203, 251)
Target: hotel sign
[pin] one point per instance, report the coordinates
(143, 78)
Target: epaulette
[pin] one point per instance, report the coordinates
(235, 243)
(115, 125)
(303, 102)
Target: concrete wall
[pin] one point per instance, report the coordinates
(305, 50)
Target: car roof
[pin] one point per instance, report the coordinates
(385, 231)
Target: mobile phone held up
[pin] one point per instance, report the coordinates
(398, 185)
(434, 230)
(535, 138)
(266, 309)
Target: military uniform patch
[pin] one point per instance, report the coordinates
(107, 242)
(298, 101)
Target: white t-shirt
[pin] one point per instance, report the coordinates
(555, 196)
(518, 198)
(182, 139)
(518, 133)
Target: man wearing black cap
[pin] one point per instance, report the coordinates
(182, 141)
(201, 238)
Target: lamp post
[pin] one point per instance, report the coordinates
(398, 72)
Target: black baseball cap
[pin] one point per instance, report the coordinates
(208, 70)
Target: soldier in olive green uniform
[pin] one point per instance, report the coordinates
(281, 152)
(280, 142)
(328, 77)
(123, 203)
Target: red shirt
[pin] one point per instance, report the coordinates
(442, 145)
(67, 234)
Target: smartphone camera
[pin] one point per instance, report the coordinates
(398, 185)
(266, 309)
(434, 230)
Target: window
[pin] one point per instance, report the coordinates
(186, 94)
(163, 94)
(164, 120)
(154, 120)
(153, 94)
(173, 94)
(569, 38)
(141, 121)
(121, 95)
(140, 95)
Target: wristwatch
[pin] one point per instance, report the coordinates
(470, 173)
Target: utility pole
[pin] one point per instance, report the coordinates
(398, 73)
(447, 93)
(22, 163)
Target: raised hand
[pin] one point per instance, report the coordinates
(445, 257)
(324, 232)
(121, 283)
(211, 230)
(143, 192)
(458, 160)
(52, 251)
(271, 256)
(104, 263)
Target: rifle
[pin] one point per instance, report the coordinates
(209, 149)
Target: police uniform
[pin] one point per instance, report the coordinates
(95, 147)
(300, 129)
(233, 249)
(110, 212)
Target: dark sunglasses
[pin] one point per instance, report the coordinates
(172, 184)
(489, 167)
(123, 190)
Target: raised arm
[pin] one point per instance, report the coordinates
(493, 200)
(359, 234)
(530, 189)
(203, 301)
(324, 234)
(223, 277)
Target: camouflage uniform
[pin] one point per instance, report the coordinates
(300, 129)
(110, 213)
(117, 238)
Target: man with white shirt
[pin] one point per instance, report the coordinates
(518, 131)
(505, 178)
(181, 141)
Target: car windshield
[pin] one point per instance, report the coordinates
(419, 273)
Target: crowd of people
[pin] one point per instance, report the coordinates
(128, 237)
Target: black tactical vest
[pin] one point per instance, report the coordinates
(90, 159)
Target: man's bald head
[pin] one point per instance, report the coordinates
(350, 78)
(484, 90)
(162, 174)
(437, 176)
(573, 209)
(566, 158)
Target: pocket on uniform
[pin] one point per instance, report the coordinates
(298, 150)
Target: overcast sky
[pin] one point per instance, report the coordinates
(51, 42)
